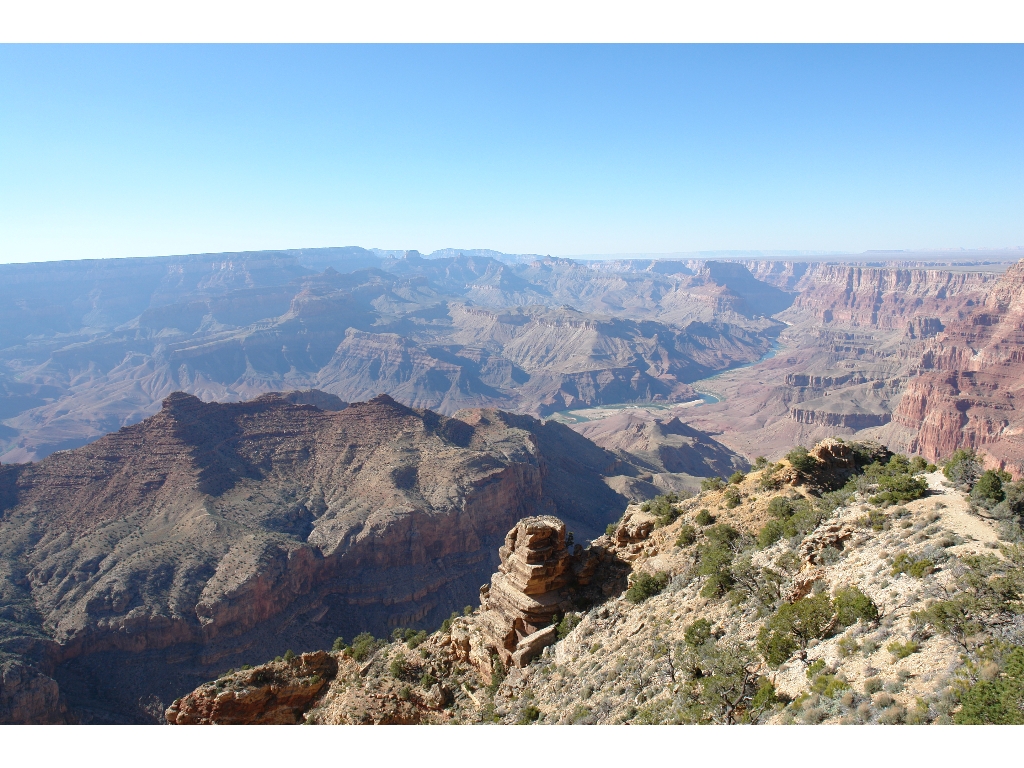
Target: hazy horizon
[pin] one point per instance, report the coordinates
(134, 150)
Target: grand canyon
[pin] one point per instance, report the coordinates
(208, 461)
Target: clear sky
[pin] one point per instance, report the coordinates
(137, 151)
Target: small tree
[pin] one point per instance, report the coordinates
(963, 467)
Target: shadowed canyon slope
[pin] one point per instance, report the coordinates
(214, 532)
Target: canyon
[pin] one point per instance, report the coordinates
(208, 460)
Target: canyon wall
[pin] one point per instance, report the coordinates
(971, 376)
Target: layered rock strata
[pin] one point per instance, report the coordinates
(528, 590)
(970, 382)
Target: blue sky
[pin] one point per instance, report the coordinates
(136, 150)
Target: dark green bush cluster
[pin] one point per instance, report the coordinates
(528, 714)
(963, 468)
(568, 623)
(704, 518)
(712, 484)
(731, 498)
(714, 559)
(646, 585)
(687, 536)
(721, 681)
(412, 637)
(904, 563)
(793, 517)
(363, 646)
(759, 463)
(896, 481)
(801, 460)
(736, 478)
(852, 604)
(996, 699)
(988, 491)
(399, 668)
(663, 508)
(794, 625)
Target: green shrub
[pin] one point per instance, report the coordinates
(646, 585)
(447, 623)
(663, 508)
(339, 644)
(780, 508)
(794, 517)
(427, 680)
(963, 467)
(988, 491)
(704, 518)
(760, 463)
(770, 532)
(398, 667)
(528, 714)
(894, 489)
(712, 484)
(611, 528)
(687, 536)
(715, 558)
(289, 655)
(902, 650)
(876, 520)
(829, 685)
(568, 623)
(697, 633)
(363, 646)
(498, 673)
(794, 625)
(736, 478)
(852, 604)
(872, 686)
(801, 460)
(731, 498)
(998, 700)
(904, 563)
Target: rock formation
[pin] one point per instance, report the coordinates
(274, 694)
(528, 590)
(215, 534)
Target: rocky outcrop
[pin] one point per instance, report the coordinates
(528, 590)
(277, 693)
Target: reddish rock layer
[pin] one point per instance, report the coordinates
(973, 373)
